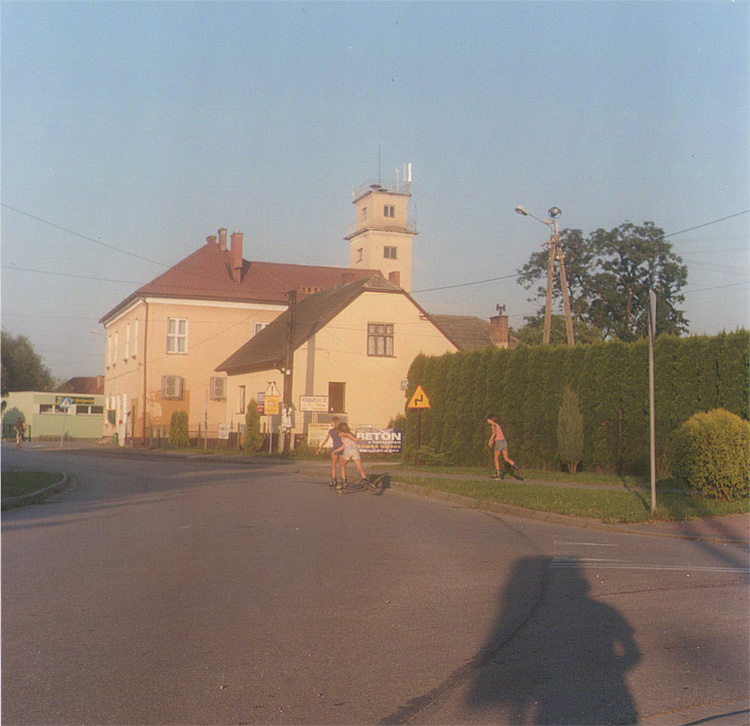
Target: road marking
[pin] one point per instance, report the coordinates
(571, 562)
(586, 544)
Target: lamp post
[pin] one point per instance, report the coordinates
(554, 250)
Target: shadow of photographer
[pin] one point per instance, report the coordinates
(566, 663)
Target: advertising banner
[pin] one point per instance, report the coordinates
(316, 432)
(379, 441)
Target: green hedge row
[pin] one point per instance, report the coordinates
(524, 388)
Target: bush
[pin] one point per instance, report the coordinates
(253, 437)
(711, 455)
(426, 456)
(178, 430)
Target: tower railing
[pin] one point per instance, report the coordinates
(392, 187)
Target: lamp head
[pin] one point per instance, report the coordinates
(554, 212)
(521, 210)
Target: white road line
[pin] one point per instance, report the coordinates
(571, 563)
(587, 544)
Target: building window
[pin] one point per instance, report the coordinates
(380, 339)
(109, 349)
(259, 327)
(46, 408)
(117, 342)
(359, 255)
(389, 210)
(127, 341)
(364, 213)
(389, 253)
(336, 397)
(242, 400)
(395, 278)
(177, 335)
(135, 339)
(218, 388)
(171, 387)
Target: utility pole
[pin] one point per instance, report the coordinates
(652, 393)
(554, 250)
(288, 371)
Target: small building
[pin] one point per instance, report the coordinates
(352, 348)
(53, 415)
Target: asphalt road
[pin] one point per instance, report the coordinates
(160, 591)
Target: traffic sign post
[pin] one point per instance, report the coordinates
(65, 404)
(419, 401)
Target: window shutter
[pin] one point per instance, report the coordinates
(171, 387)
(218, 388)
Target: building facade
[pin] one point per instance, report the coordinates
(54, 415)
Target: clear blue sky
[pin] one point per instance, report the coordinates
(147, 126)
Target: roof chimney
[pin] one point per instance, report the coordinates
(211, 240)
(499, 329)
(235, 255)
(223, 239)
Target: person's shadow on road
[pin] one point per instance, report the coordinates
(566, 662)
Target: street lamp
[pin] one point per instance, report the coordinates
(554, 249)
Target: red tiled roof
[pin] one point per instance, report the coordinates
(206, 274)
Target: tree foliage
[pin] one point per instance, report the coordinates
(22, 368)
(525, 387)
(609, 277)
(253, 437)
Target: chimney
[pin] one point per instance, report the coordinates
(499, 330)
(223, 239)
(211, 240)
(235, 255)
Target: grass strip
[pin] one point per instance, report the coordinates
(18, 483)
(606, 505)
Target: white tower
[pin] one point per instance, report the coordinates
(381, 238)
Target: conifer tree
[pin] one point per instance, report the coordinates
(570, 430)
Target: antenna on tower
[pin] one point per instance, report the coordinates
(380, 181)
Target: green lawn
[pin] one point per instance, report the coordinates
(607, 505)
(17, 483)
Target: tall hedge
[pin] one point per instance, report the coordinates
(524, 388)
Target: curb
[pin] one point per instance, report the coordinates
(36, 497)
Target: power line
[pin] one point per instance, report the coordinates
(716, 221)
(67, 274)
(83, 236)
(466, 284)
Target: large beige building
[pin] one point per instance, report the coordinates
(165, 339)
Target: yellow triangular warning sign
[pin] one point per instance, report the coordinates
(419, 399)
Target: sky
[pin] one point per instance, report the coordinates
(131, 131)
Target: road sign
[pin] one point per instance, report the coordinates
(419, 399)
(65, 402)
(271, 405)
(272, 390)
(313, 403)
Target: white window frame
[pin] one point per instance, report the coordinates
(135, 339)
(175, 337)
(380, 340)
(127, 342)
(389, 210)
(258, 327)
